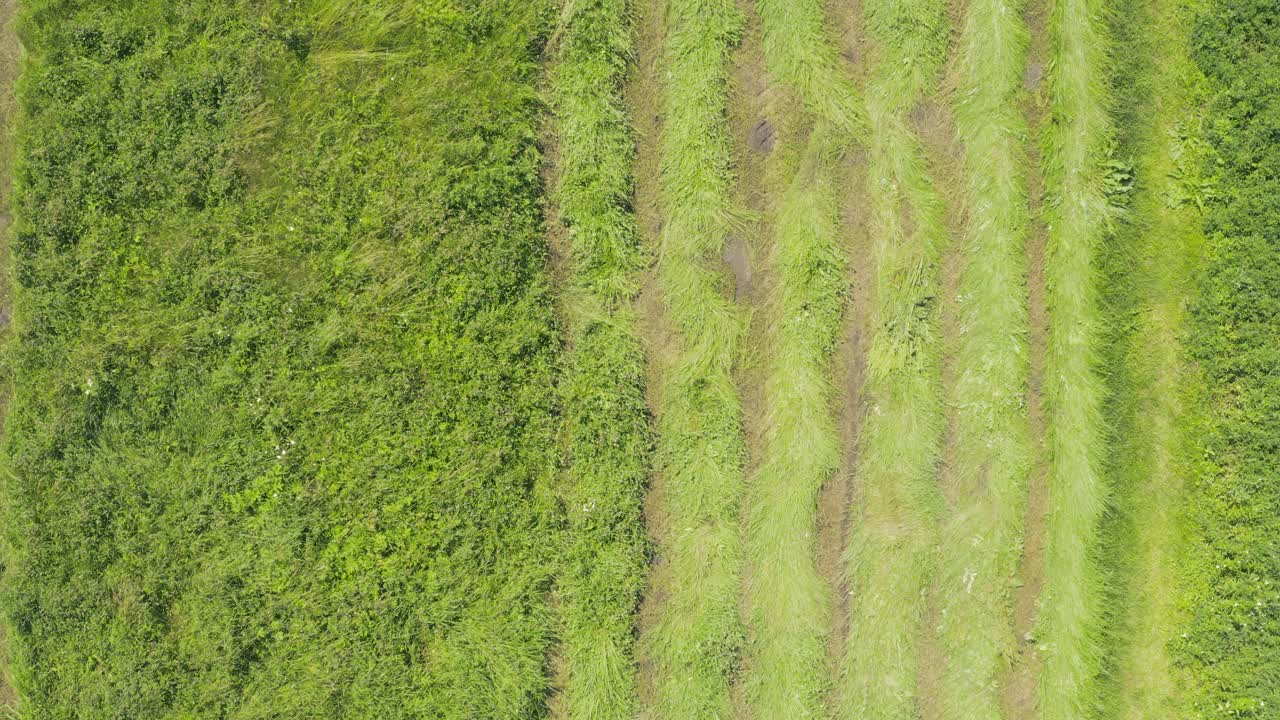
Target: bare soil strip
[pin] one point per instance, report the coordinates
(643, 96)
(933, 123)
(1018, 687)
(759, 132)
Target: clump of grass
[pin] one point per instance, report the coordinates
(790, 605)
(1078, 213)
(606, 428)
(891, 546)
(701, 451)
(799, 55)
(982, 535)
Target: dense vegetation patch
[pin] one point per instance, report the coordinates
(1232, 645)
(282, 428)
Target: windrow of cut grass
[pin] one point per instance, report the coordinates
(1078, 214)
(891, 548)
(787, 670)
(981, 539)
(282, 442)
(606, 432)
(697, 636)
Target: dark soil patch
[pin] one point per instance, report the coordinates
(763, 136)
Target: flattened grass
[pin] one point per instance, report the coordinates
(606, 431)
(890, 553)
(696, 640)
(982, 536)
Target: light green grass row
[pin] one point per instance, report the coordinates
(891, 547)
(800, 55)
(696, 640)
(982, 536)
(1077, 215)
(606, 431)
(787, 672)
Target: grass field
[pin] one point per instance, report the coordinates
(640, 360)
(280, 442)
(701, 452)
(1156, 256)
(1078, 213)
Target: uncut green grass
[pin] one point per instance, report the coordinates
(981, 540)
(1229, 584)
(786, 666)
(697, 636)
(283, 430)
(890, 554)
(606, 429)
(1077, 217)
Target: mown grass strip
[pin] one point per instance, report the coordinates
(789, 601)
(981, 539)
(890, 553)
(697, 636)
(1077, 216)
(603, 403)
(1150, 272)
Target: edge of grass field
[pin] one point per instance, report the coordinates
(787, 674)
(1078, 213)
(10, 60)
(606, 431)
(982, 535)
(889, 556)
(695, 640)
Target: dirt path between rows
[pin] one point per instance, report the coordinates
(934, 125)
(1018, 688)
(9, 52)
(760, 130)
(644, 101)
(849, 365)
